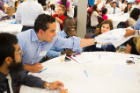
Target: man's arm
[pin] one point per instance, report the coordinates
(59, 20)
(33, 68)
(34, 81)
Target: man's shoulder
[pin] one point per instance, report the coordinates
(24, 35)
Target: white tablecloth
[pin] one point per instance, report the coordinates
(6, 26)
(101, 75)
(117, 18)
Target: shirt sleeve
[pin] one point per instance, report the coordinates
(72, 42)
(54, 52)
(28, 80)
(137, 26)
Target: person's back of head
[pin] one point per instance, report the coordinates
(135, 13)
(104, 11)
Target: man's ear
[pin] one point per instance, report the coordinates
(40, 31)
(8, 60)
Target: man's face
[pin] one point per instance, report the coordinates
(59, 11)
(70, 25)
(114, 5)
(49, 33)
(16, 64)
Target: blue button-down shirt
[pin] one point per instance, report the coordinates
(137, 25)
(55, 51)
(34, 50)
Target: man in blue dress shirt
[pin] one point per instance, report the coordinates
(69, 30)
(36, 42)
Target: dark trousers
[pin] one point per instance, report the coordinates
(75, 12)
(26, 28)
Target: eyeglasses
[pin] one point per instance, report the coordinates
(19, 52)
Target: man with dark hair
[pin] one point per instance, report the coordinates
(59, 16)
(11, 65)
(69, 30)
(114, 9)
(36, 42)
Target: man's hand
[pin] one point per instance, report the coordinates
(58, 20)
(64, 91)
(56, 85)
(69, 52)
(129, 32)
(36, 68)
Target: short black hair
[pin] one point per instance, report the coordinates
(66, 20)
(135, 13)
(42, 21)
(104, 10)
(113, 2)
(7, 48)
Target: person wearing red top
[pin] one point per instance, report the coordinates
(59, 16)
(104, 12)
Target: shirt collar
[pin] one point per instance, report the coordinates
(63, 32)
(34, 36)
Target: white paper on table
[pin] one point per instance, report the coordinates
(124, 72)
(51, 71)
(103, 69)
(82, 58)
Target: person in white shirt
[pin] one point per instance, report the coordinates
(136, 5)
(94, 15)
(114, 9)
(1, 15)
(124, 5)
(27, 12)
(108, 4)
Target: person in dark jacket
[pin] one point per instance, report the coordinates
(11, 67)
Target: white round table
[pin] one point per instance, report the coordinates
(6, 26)
(117, 18)
(107, 73)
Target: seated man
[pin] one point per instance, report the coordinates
(11, 65)
(9, 12)
(59, 16)
(69, 30)
(114, 9)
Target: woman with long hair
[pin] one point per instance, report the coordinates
(134, 15)
(104, 27)
(94, 15)
(133, 46)
(128, 8)
(66, 4)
